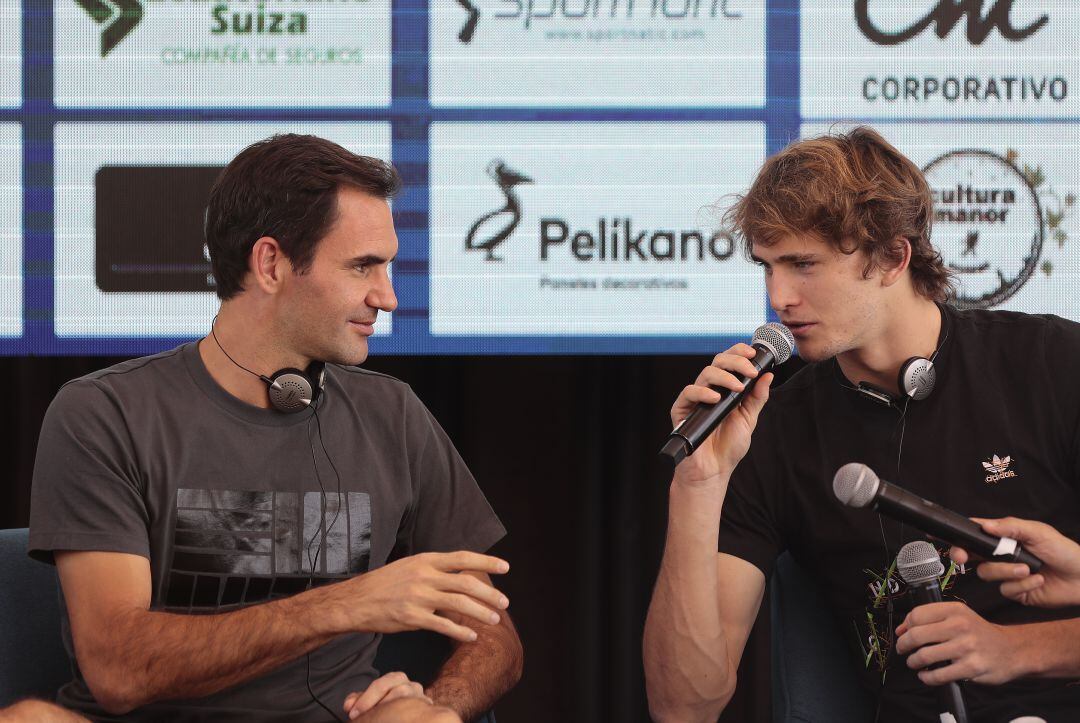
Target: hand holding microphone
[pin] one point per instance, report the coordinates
(856, 485)
(948, 641)
(728, 385)
(1056, 585)
(920, 566)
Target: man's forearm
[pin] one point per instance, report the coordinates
(477, 674)
(687, 669)
(155, 656)
(39, 711)
(1048, 650)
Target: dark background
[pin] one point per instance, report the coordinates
(565, 447)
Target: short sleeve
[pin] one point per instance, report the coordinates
(449, 512)
(86, 492)
(751, 519)
(1061, 346)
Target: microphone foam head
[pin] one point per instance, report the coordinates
(776, 338)
(855, 484)
(919, 561)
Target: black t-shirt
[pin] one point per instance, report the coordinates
(1006, 397)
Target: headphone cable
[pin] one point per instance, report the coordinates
(313, 562)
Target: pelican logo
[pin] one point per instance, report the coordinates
(494, 227)
(998, 469)
(118, 16)
(945, 16)
(467, 30)
(991, 220)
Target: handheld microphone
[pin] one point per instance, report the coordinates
(774, 344)
(920, 567)
(856, 485)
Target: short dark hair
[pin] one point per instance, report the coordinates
(854, 191)
(285, 187)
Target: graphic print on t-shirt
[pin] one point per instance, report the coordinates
(238, 547)
(886, 592)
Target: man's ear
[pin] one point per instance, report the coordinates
(268, 265)
(892, 271)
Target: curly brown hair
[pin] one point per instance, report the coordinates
(856, 192)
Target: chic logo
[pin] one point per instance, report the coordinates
(945, 16)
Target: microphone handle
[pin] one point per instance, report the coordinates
(949, 526)
(950, 695)
(696, 428)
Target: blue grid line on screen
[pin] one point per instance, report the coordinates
(783, 83)
(37, 118)
(943, 121)
(410, 115)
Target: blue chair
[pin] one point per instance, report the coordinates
(814, 677)
(33, 662)
(32, 657)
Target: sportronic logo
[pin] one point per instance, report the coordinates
(496, 226)
(945, 16)
(119, 17)
(601, 18)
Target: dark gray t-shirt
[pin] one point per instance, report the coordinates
(151, 457)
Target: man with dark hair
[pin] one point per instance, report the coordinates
(841, 226)
(174, 492)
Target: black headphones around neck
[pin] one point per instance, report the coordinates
(290, 390)
(915, 379)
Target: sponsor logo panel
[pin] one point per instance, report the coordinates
(1005, 212)
(598, 52)
(939, 59)
(198, 53)
(590, 228)
(11, 230)
(130, 255)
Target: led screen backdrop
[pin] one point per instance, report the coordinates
(565, 161)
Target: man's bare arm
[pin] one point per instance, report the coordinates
(477, 674)
(703, 605)
(702, 609)
(131, 656)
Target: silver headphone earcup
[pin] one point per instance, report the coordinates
(294, 393)
(917, 378)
